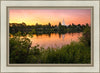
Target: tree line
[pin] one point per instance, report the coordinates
(45, 29)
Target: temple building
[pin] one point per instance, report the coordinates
(63, 23)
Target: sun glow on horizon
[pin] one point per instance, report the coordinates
(53, 16)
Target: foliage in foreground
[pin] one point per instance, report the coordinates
(76, 52)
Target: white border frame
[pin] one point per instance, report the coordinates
(4, 4)
(50, 65)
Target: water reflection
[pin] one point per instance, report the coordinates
(54, 40)
(63, 36)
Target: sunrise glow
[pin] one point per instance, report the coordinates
(54, 16)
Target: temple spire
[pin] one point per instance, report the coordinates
(63, 23)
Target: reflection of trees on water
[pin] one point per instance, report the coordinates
(49, 35)
(59, 35)
(63, 36)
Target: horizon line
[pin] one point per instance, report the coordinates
(48, 23)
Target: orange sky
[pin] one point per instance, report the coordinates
(54, 16)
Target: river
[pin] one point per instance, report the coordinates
(54, 40)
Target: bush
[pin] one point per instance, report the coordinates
(19, 48)
(74, 53)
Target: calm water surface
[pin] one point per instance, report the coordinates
(54, 40)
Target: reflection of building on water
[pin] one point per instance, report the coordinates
(63, 36)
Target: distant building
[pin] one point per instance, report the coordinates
(63, 23)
